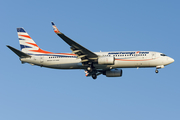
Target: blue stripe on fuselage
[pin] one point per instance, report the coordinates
(51, 55)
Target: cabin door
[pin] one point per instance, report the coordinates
(41, 59)
(153, 56)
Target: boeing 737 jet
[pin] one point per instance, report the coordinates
(94, 63)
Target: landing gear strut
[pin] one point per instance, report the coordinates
(91, 67)
(92, 70)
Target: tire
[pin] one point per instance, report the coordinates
(94, 76)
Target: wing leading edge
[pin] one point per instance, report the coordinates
(84, 54)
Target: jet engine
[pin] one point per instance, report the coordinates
(106, 60)
(114, 73)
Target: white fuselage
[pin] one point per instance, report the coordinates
(94, 63)
(123, 59)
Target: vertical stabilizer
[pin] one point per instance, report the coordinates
(27, 44)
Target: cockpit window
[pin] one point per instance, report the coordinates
(163, 55)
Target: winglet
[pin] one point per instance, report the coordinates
(55, 28)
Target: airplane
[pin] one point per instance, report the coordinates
(109, 64)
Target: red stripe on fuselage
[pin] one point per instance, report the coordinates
(132, 60)
(41, 51)
(46, 52)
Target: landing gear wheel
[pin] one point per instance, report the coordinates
(94, 76)
(156, 71)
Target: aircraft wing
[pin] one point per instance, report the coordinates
(84, 54)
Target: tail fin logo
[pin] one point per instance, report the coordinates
(26, 36)
(27, 44)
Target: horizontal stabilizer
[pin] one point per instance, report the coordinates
(19, 53)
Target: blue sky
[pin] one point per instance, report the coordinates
(31, 92)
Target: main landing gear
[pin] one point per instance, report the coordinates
(92, 70)
(94, 76)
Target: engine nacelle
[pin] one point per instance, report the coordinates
(106, 60)
(114, 73)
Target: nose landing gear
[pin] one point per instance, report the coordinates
(159, 67)
(156, 71)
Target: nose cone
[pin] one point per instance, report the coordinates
(171, 60)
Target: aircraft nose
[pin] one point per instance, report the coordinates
(171, 60)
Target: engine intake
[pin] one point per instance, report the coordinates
(114, 73)
(106, 60)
